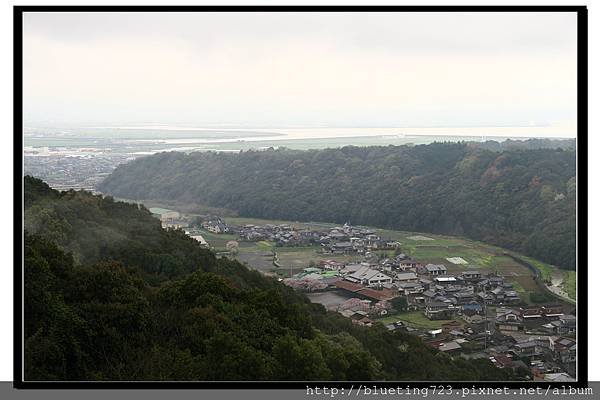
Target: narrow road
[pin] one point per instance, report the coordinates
(557, 281)
(555, 288)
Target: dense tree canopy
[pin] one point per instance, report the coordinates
(112, 296)
(522, 199)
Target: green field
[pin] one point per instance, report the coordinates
(415, 319)
(217, 241)
(520, 289)
(256, 247)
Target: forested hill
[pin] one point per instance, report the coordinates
(519, 199)
(110, 295)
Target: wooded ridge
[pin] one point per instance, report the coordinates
(521, 199)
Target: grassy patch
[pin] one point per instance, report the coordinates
(415, 319)
(216, 241)
(256, 247)
(264, 244)
(540, 297)
(546, 270)
(487, 260)
(525, 286)
(570, 284)
(518, 287)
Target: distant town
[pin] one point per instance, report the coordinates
(71, 169)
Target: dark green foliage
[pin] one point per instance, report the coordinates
(400, 303)
(95, 228)
(543, 297)
(118, 315)
(520, 199)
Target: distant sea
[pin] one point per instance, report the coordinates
(149, 139)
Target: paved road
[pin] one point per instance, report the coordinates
(555, 288)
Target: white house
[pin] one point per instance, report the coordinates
(369, 276)
(406, 277)
(433, 269)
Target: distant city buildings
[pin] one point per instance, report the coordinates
(65, 171)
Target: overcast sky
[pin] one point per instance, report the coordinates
(300, 69)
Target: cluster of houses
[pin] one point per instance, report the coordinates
(480, 315)
(518, 319)
(281, 234)
(547, 358)
(215, 224)
(445, 295)
(537, 354)
(427, 287)
(345, 239)
(348, 239)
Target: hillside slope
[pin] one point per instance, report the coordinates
(519, 199)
